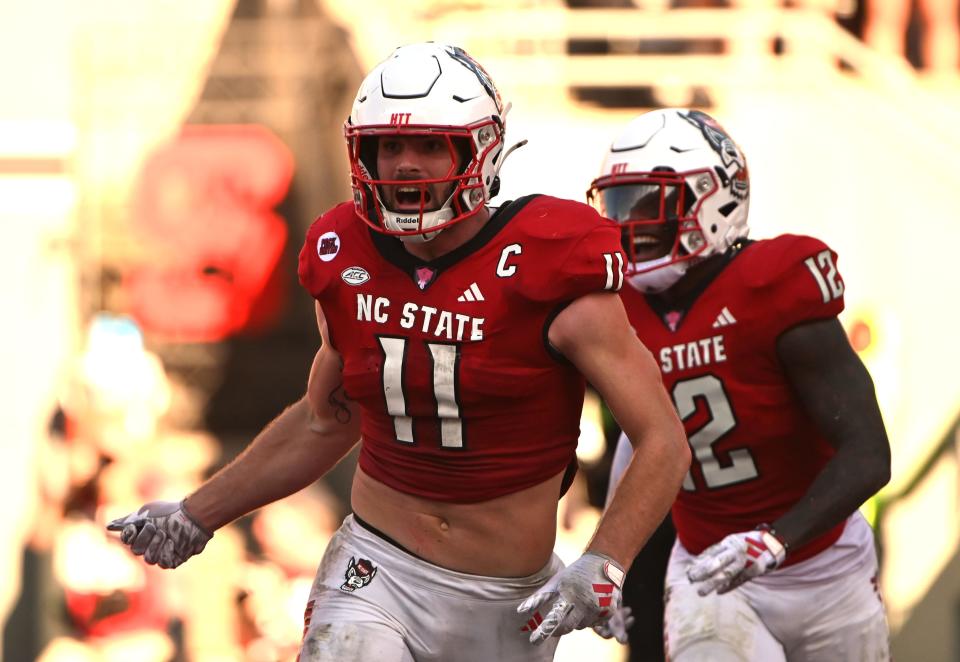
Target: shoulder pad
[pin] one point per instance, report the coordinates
(793, 278)
(322, 243)
(572, 250)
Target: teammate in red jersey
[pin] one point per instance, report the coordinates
(457, 338)
(772, 559)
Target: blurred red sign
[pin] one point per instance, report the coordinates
(204, 208)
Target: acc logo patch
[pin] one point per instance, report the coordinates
(355, 275)
(360, 572)
(328, 245)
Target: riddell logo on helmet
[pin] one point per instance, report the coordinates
(399, 118)
(618, 168)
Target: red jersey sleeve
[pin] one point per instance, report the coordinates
(798, 280)
(320, 248)
(579, 252)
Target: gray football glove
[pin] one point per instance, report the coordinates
(736, 559)
(581, 595)
(617, 625)
(162, 532)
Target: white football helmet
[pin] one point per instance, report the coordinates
(678, 184)
(435, 90)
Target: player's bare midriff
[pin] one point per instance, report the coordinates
(510, 536)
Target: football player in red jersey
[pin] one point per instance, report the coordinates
(772, 561)
(457, 339)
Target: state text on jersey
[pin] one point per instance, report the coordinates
(428, 319)
(695, 353)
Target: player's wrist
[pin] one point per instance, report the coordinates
(609, 566)
(777, 546)
(207, 530)
(616, 568)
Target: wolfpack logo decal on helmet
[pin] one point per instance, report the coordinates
(360, 572)
(463, 58)
(725, 147)
(328, 245)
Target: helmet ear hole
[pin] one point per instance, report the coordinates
(728, 208)
(495, 187)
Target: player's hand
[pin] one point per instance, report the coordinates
(163, 532)
(736, 559)
(617, 625)
(581, 595)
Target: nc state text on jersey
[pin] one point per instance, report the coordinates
(429, 320)
(683, 356)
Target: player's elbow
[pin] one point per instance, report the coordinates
(870, 468)
(676, 449)
(880, 469)
(682, 448)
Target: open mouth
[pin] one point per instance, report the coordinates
(645, 246)
(412, 198)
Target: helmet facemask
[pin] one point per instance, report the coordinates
(658, 215)
(417, 208)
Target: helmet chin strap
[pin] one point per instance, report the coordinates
(430, 219)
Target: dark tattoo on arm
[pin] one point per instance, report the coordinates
(338, 400)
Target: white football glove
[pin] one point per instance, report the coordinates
(585, 593)
(617, 625)
(736, 559)
(163, 532)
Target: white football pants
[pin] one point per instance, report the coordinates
(373, 602)
(835, 620)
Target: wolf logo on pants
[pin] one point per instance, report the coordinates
(359, 573)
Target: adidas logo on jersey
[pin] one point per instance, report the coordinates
(472, 293)
(724, 319)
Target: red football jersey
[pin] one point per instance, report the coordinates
(462, 400)
(755, 450)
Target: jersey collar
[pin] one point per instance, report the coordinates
(425, 272)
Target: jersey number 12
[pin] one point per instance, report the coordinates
(741, 466)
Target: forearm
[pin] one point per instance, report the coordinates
(284, 458)
(594, 334)
(850, 478)
(646, 491)
(837, 392)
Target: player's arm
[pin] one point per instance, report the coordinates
(838, 394)
(294, 450)
(594, 334)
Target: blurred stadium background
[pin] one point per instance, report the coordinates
(160, 162)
